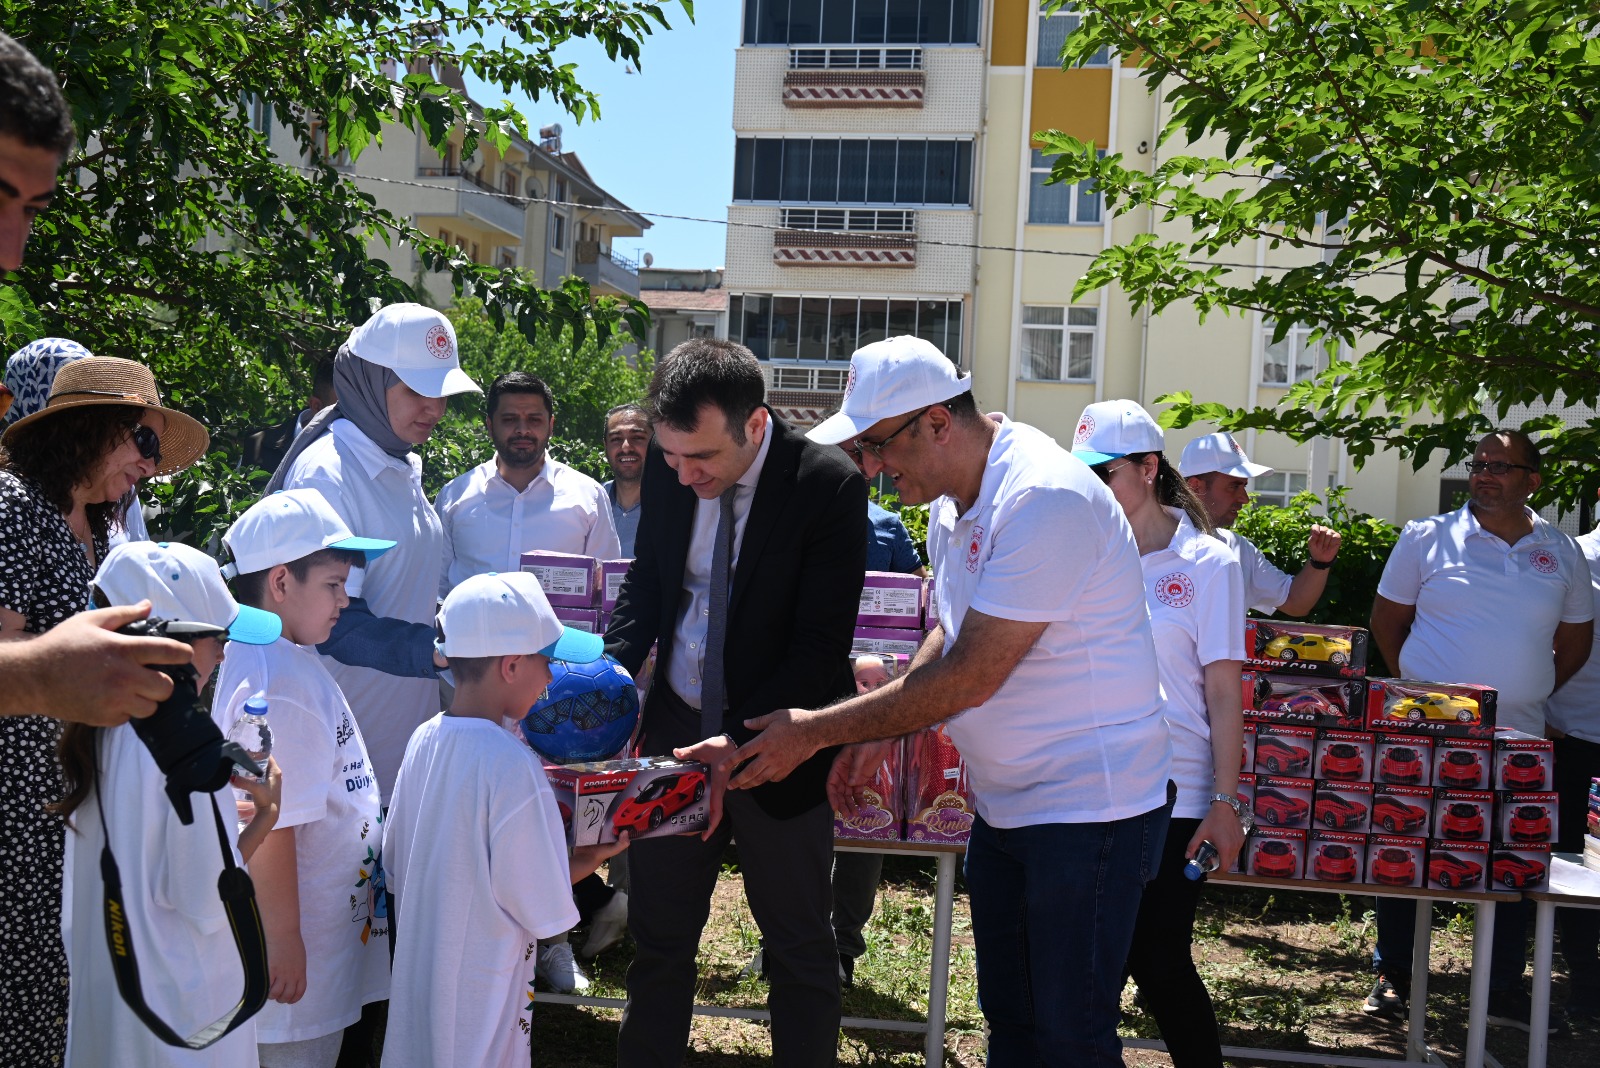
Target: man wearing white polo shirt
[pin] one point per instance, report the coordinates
(1491, 594)
(523, 499)
(1044, 670)
(1219, 472)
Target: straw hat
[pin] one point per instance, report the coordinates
(101, 380)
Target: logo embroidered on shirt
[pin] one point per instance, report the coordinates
(1085, 428)
(974, 547)
(1175, 590)
(1543, 561)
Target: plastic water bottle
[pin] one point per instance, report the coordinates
(254, 734)
(1206, 860)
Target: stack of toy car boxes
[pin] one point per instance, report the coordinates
(1384, 781)
(920, 793)
(583, 591)
(1591, 838)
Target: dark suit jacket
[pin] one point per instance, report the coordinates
(793, 602)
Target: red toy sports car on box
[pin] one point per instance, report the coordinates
(1397, 817)
(1274, 859)
(1337, 812)
(663, 797)
(1279, 757)
(1402, 765)
(1452, 872)
(1304, 702)
(1461, 768)
(1530, 823)
(1523, 771)
(1279, 809)
(1517, 872)
(1335, 864)
(1394, 867)
(1462, 821)
(1342, 760)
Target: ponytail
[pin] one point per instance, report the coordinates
(1172, 490)
(76, 752)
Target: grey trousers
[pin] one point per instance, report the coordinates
(855, 892)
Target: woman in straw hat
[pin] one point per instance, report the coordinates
(65, 472)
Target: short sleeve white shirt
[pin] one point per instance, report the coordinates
(477, 861)
(1196, 597)
(1486, 612)
(331, 800)
(1075, 734)
(188, 967)
(488, 525)
(380, 496)
(1575, 708)
(1265, 587)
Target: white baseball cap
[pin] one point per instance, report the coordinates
(184, 584)
(1113, 428)
(290, 525)
(508, 615)
(896, 376)
(418, 344)
(1220, 453)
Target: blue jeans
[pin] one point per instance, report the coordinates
(1397, 928)
(1053, 909)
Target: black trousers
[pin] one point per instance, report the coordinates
(1578, 761)
(787, 866)
(1161, 959)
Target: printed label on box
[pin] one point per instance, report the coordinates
(1522, 762)
(1530, 817)
(1457, 865)
(646, 796)
(1335, 856)
(1403, 760)
(1402, 810)
(1344, 755)
(1276, 853)
(1394, 860)
(1305, 648)
(1343, 806)
(1284, 750)
(1461, 764)
(1520, 865)
(1283, 802)
(1453, 710)
(1463, 815)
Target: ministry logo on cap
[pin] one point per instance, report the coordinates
(1085, 428)
(440, 344)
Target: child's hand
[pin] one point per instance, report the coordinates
(261, 811)
(286, 964)
(585, 859)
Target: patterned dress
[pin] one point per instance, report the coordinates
(45, 576)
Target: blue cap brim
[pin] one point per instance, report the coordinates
(252, 626)
(1092, 458)
(371, 547)
(575, 647)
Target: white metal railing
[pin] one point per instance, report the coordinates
(855, 59)
(810, 379)
(855, 220)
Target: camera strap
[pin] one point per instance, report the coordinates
(244, 919)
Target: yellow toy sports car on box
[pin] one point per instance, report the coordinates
(1444, 706)
(1309, 647)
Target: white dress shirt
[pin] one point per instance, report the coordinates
(688, 658)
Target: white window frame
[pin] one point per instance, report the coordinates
(1298, 338)
(1065, 330)
(1041, 164)
(558, 232)
(1100, 59)
(1294, 482)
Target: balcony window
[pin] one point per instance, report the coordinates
(1291, 358)
(1060, 204)
(1054, 28)
(784, 328)
(1058, 343)
(1278, 488)
(909, 171)
(558, 232)
(842, 22)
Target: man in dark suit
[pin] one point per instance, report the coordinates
(793, 513)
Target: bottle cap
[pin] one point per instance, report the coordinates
(256, 705)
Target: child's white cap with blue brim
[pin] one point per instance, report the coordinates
(184, 584)
(509, 615)
(290, 525)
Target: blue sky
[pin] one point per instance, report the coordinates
(664, 141)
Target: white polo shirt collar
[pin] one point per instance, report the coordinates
(374, 461)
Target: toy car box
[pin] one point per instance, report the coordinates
(1442, 709)
(584, 619)
(1247, 790)
(1402, 810)
(1461, 764)
(1345, 756)
(1248, 755)
(1284, 750)
(646, 796)
(1306, 701)
(1343, 806)
(1519, 865)
(1531, 817)
(612, 572)
(1305, 648)
(1275, 853)
(1402, 759)
(1522, 762)
(1457, 865)
(568, 581)
(1335, 856)
(891, 600)
(883, 805)
(1463, 815)
(886, 640)
(1283, 802)
(938, 801)
(1396, 860)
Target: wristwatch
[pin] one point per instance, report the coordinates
(1247, 819)
(1320, 565)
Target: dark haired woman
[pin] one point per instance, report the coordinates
(64, 473)
(1195, 591)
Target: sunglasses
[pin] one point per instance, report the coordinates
(1495, 467)
(1105, 473)
(148, 442)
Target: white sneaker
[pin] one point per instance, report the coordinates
(557, 968)
(606, 927)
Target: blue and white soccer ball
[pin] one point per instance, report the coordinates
(588, 712)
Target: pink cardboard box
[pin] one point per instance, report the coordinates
(584, 619)
(612, 572)
(889, 599)
(568, 581)
(882, 809)
(938, 801)
(885, 640)
(647, 796)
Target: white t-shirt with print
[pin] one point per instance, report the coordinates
(1265, 587)
(188, 966)
(1075, 734)
(1196, 596)
(330, 798)
(477, 861)
(1487, 611)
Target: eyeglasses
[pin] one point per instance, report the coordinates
(876, 447)
(1496, 467)
(148, 441)
(1105, 473)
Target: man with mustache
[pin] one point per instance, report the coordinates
(522, 499)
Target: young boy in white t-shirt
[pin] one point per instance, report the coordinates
(322, 907)
(473, 846)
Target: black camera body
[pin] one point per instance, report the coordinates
(183, 739)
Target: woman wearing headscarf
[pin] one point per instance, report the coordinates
(65, 473)
(392, 377)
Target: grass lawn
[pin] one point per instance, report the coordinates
(1285, 970)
